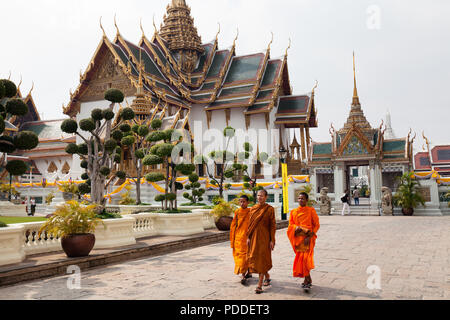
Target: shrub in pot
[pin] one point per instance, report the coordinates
(75, 224)
(223, 214)
(408, 195)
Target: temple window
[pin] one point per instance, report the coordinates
(52, 168)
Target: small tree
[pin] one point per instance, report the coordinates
(11, 141)
(251, 180)
(196, 192)
(99, 151)
(133, 139)
(223, 159)
(167, 147)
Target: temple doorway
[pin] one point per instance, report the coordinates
(358, 183)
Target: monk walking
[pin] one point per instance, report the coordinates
(302, 233)
(238, 239)
(261, 239)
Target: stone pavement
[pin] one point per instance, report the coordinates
(412, 253)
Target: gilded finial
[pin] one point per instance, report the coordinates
(32, 87)
(142, 29)
(218, 32)
(414, 138)
(382, 123)
(271, 41)
(115, 24)
(235, 39)
(101, 27)
(154, 24)
(18, 86)
(287, 49)
(315, 87)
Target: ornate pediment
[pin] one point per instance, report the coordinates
(355, 143)
(107, 74)
(354, 147)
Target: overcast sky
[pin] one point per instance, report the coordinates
(402, 50)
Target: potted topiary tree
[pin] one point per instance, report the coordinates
(223, 214)
(408, 195)
(75, 224)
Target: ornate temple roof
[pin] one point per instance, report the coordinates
(220, 80)
(358, 141)
(438, 159)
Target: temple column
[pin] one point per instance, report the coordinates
(308, 139)
(302, 134)
(339, 179)
(375, 185)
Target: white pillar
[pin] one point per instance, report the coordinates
(375, 185)
(339, 179)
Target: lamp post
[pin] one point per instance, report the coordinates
(283, 153)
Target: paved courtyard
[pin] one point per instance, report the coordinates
(412, 254)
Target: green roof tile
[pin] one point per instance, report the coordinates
(322, 149)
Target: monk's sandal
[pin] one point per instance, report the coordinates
(258, 290)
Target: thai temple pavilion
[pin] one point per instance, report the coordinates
(359, 144)
(187, 83)
(48, 160)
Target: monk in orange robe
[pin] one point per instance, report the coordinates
(261, 239)
(302, 233)
(238, 239)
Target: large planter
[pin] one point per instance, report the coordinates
(224, 223)
(68, 196)
(11, 249)
(408, 211)
(208, 218)
(115, 233)
(78, 245)
(178, 224)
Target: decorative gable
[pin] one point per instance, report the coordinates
(355, 147)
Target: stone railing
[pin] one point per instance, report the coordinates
(21, 240)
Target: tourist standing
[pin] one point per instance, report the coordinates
(302, 233)
(238, 239)
(356, 196)
(345, 202)
(261, 239)
(33, 206)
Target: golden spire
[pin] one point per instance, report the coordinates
(355, 90)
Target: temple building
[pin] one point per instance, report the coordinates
(358, 144)
(48, 160)
(197, 87)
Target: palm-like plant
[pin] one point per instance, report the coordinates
(408, 195)
(70, 219)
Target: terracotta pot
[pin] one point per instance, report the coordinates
(224, 223)
(408, 211)
(78, 245)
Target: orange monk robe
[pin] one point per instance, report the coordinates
(238, 239)
(307, 219)
(261, 231)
